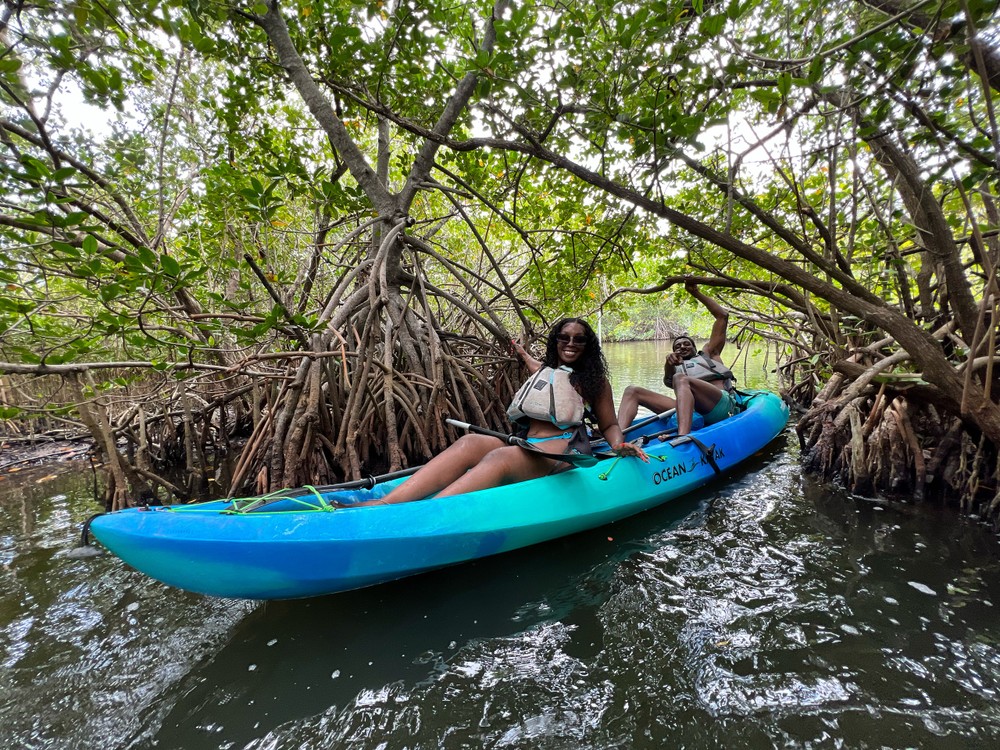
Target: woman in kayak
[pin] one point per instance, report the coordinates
(475, 462)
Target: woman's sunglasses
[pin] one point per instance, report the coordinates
(564, 338)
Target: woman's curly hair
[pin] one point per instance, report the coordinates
(590, 371)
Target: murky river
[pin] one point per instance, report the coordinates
(764, 611)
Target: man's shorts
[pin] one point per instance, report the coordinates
(725, 408)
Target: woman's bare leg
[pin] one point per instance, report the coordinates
(504, 466)
(442, 470)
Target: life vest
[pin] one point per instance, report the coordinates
(703, 367)
(548, 396)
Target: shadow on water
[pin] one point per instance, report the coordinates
(293, 659)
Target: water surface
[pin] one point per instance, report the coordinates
(764, 611)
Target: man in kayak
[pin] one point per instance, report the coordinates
(475, 462)
(701, 382)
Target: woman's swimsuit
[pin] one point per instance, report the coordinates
(564, 436)
(578, 443)
(557, 467)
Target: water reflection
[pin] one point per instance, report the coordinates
(766, 611)
(407, 633)
(86, 644)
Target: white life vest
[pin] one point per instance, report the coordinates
(548, 396)
(703, 367)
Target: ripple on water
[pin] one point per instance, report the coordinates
(510, 692)
(89, 647)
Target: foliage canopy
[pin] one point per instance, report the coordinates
(336, 213)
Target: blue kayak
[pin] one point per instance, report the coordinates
(310, 542)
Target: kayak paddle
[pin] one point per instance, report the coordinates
(648, 420)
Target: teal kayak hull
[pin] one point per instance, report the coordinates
(305, 546)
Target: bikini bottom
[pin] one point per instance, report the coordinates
(564, 436)
(579, 440)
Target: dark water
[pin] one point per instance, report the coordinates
(764, 611)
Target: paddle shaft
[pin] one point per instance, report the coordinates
(577, 459)
(368, 482)
(358, 484)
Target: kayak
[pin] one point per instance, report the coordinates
(311, 542)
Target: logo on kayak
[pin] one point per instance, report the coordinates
(684, 467)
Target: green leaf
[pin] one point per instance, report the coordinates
(63, 173)
(712, 25)
(815, 73)
(35, 168)
(133, 265)
(170, 265)
(784, 84)
(111, 291)
(148, 258)
(66, 249)
(767, 97)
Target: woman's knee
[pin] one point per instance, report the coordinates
(631, 393)
(475, 446)
(503, 456)
(507, 463)
(474, 440)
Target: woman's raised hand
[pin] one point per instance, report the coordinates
(519, 350)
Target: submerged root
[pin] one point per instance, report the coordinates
(901, 448)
